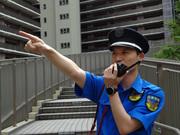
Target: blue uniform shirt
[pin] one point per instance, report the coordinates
(143, 101)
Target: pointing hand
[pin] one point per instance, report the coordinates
(35, 44)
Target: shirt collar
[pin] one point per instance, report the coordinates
(137, 84)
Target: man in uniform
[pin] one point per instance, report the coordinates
(127, 104)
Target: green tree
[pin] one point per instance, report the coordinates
(174, 25)
(169, 52)
(172, 51)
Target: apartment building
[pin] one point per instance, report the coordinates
(149, 17)
(17, 15)
(60, 25)
(75, 26)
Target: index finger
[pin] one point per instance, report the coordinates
(29, 36)
(114, 69)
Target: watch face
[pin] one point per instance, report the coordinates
(110, 91)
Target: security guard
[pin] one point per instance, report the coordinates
(127, 104)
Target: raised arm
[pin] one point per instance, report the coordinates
(36, 45)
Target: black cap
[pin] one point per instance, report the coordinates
(129, 38)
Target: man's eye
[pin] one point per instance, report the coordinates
(125, 52)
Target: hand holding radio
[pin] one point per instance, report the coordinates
(110, 78)
(122, 69)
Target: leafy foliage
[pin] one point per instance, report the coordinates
(169, 52)
(174, 25)
(175, 30)
(172, 51)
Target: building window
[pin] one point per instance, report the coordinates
(45, 33)
(60, 16)
(68, 45)
(67, 16)
(64, 30)
(63, 2)
(44, 6)
(45, 20)
(61, 31)
(64, 16)
(65, 45)
(67, 30)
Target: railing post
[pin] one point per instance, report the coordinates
(58, 73)
(90, 62)
(85, 61)
(0, 98)
(35, 79)
(159, 73)
(96, 65)
(26, 89)
(14, 92)
(104, 60)
(51, 79)
(80, 60)
(44, 79)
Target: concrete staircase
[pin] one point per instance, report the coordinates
(67, 107)
(66, 115)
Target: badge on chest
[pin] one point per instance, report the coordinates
(135, 96)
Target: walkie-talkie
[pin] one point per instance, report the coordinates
(122, 69)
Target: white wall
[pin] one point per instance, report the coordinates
(71, 41)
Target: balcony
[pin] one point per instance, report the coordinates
(133, 23)
(9, 32)
(23, 7)
(97, 5)
(120, 7)
(19, 19)
(125, 14)
(23, 3)
(88, 2)
(96, 38)
(11, 46)
(127, 22)
(15, 53)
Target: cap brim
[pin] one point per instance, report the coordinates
(124, 44)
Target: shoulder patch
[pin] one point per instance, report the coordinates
(152, 102)
(135, 96)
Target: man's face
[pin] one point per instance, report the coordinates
(126, 55)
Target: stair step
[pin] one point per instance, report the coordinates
(56, 127)
(67, 93)
(51, 116)
(68, 109)
(68, 89)
(68, 102)
(77, 133)
(67, 96)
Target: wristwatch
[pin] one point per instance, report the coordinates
(111, 91)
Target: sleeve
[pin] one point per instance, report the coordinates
(92, 87)
(147, 111)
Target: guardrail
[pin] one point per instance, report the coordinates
(162, 129)
(166, 74)
(24, 81)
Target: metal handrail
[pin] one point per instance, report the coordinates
(161, 125)
(49, 77)
(0, 101)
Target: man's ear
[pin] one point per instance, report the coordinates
(141, 56)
